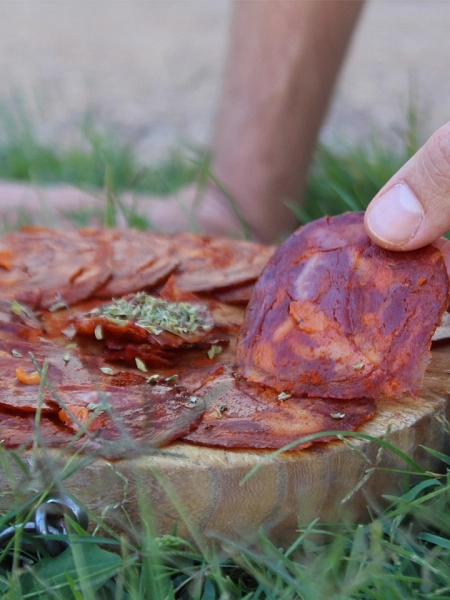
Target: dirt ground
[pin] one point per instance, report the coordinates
(154, 68)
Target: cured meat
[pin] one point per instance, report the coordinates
(68, 371)
(115, 422)
(334, 315)
(141, 418)
(242, 415)
(127, 419)
(141, 349)
(235, 295)
(46, 269)
(144, 330)
(208, 264)
(138, 261)
(112, 411)
(21, 430)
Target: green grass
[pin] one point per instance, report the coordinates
(346, 179)
(24, 157)
(340, 179)
(402, 553)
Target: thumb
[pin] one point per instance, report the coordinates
(413, 208)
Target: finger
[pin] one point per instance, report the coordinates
(413, 208)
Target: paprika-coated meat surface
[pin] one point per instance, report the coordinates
(334, 315)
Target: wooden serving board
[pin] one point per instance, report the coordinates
(199, 490)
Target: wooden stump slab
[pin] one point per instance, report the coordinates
(199, 490)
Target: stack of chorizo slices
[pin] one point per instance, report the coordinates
(118, 341)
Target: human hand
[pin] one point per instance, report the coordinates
(413, 208)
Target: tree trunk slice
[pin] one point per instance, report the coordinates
(196, 490)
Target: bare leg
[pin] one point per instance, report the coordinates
(285, 55)
(283, 62)
(284, 58)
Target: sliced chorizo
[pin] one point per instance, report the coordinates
(334, 315)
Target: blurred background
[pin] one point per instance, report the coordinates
(153, 69)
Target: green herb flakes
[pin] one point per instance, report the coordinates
(66, 357)
(284, 396)
(359, 366)
(213, 351)
(153, 379)
(140, 364)
(156, 315)
(172, 378)
(337, 415)
(193, 399)
(16, 308)
(98, 332)
(58, 306)
(16, 353)
(107, 370)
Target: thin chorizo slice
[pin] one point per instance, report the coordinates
(334, 315)
(138, 261)
(242, 415)
(48, 268)
(208, 264)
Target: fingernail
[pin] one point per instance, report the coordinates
(395, 216)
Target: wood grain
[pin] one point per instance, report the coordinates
(199, 489)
